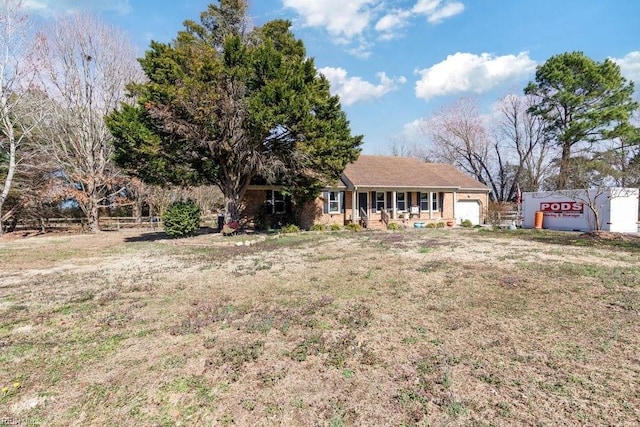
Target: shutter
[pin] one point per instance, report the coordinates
(374, 202)
(325, 196)
(389, 201)
(268, 202)
(342, 199)
(288, 205)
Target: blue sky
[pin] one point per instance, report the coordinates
(396, 62)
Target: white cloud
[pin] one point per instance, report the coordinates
(426, 6)
(434, 10)
(362, 49)
(339, 17)
(466, 72)
(53, 7)
(414, 131)
(393, 20)
(354, 89)
(35, 5)
(446, 11)
(350, 21)
(390, 25)
(437, 10)
(630, 66)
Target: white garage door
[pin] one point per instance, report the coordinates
(468, 209)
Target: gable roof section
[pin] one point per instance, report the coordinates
(406, 172)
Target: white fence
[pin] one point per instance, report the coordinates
(505, 218)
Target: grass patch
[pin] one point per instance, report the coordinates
(567, 238)
(420, 327)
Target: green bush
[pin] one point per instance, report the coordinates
(354, 226)
(335, 227)
(181, 219)
(291, 228)
(318, 227)
(393, 226)
(466, 223)
(440, 225)
(431, 225)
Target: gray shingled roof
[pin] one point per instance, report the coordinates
(406, 172)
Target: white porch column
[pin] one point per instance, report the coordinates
(394, 212)
(355, 213)
(455, 200)
(430, 204)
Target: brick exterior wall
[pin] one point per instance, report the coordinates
(253, 203)
(313, 212)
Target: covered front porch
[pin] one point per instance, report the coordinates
(377, 207)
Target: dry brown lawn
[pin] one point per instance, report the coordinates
(417, 327)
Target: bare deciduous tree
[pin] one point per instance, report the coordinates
(35, 196)
(20, 112)
(504, 151)
(457, 135)
(523, 151)
(86, 65)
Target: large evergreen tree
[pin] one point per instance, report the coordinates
(225, 103)
(581, 101)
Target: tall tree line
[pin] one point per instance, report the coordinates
(226, 103)
(58, 83)
(575, 127)
(20, 112)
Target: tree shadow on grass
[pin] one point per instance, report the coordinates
(621, 241)
(147, 237)
(627, 242)
(161, 235)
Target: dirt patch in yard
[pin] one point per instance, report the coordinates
(374, 328)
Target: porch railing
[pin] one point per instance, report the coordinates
(384, 217)
(364, 218)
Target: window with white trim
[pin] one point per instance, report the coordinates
(401, 201)
(424, 201)
(334, 202)
(426, 198)
(380, 201)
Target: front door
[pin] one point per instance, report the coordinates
(363, 202)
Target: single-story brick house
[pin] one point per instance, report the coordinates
(375, 190)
